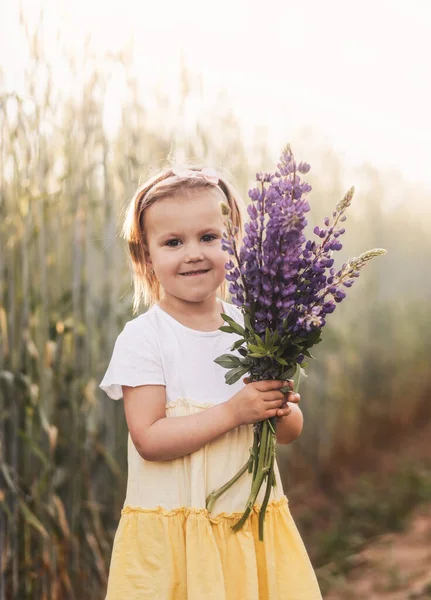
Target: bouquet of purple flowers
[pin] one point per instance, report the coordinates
(285, 286)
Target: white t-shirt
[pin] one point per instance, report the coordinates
(155, 349)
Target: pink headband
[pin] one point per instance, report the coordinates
(207, 173)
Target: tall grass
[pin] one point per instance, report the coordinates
(65, 293)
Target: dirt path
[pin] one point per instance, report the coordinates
(395, 566)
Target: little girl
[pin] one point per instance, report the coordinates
(190, 432)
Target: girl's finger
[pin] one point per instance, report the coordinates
(288, 382)
(293, 397)
(274, 395)
(284, 412)
(271, 404)
(266, 385)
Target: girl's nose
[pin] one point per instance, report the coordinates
(193, 252)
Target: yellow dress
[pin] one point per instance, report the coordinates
(168, 547)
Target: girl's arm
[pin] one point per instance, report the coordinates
(289, 427)
(157, 437)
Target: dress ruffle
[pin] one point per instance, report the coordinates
(184, 554)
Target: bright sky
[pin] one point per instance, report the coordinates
(357, 72)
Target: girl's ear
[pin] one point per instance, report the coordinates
(147, 256)
(148, 262)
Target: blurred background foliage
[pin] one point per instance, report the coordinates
(65, 294)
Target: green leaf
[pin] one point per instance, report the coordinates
(313, 338)
(227, 329)
(280, 350)
(238, 344)
(281, 361)
(288, 373)
(299, 375)
(247, 322)
(254, 348)
(235, 326)
(257, 354)
(235, 374)
(267, 338)
(291, 352)
(228, 361)
(259, 342)
(306, 353)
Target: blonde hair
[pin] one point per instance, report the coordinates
(147, 288)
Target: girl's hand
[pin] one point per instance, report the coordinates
(291, 396)
(261, 400)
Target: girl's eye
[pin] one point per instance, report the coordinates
(175, 242)
(172, 243)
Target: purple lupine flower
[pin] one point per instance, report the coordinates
(284, 282)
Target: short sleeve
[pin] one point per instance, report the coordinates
(135, 360)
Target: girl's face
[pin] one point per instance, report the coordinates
(183, 235)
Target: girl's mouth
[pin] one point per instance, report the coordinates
(195, 273)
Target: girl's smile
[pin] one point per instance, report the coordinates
(195, 273)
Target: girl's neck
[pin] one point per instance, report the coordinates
(202, 316)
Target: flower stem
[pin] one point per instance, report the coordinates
(261, 465)
(254, 451)
(269, 485)
(217, 493)
(262, 472)
(256, 445)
